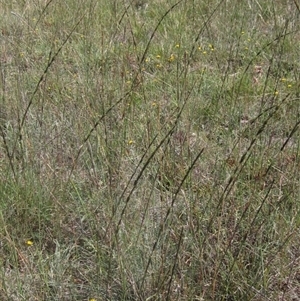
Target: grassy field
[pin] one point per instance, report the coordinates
(150, 150)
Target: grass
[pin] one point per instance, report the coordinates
(150, 150)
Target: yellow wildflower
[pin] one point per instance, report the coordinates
(171, 58)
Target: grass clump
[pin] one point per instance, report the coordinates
(149, 150)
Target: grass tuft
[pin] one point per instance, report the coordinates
(149, 150)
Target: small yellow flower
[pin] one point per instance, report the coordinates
(276, 92)
(171, 58)
(211, 47)
(29, 243)
(177, 46)
(289, 86)
(283, 79)
(158, 65)
(242, 32)
(147, 60)
(130, 142)
(93, 299)
(204, 52)
(158, 56)
(199, 47)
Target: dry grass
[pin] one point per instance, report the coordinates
(149, 150)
